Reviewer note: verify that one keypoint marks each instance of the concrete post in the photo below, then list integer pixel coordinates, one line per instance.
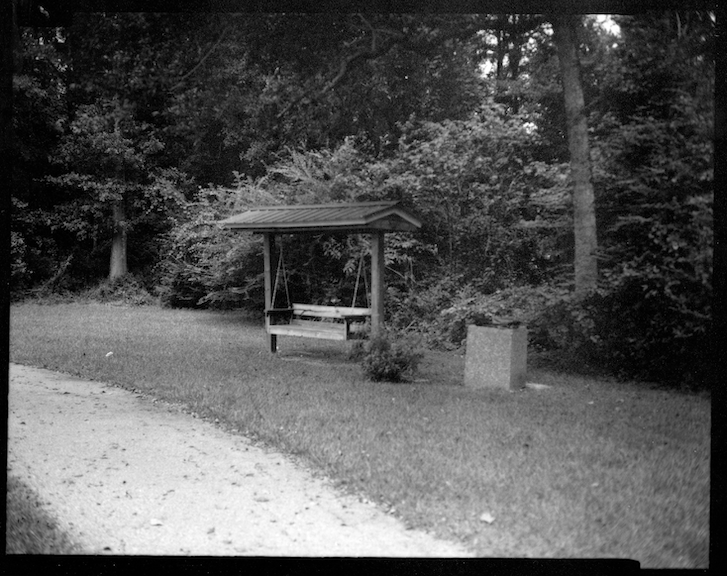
(496, 357)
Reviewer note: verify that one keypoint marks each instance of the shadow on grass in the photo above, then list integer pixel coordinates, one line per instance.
(316, 357)
(247, 318)
(29, 527)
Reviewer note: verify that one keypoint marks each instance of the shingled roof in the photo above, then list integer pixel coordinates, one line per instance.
(353, 217)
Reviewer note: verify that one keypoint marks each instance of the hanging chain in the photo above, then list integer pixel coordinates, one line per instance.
(281, 265)
(358, 278)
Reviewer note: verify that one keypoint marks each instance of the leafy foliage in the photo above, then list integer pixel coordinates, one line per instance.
(37, 120)
(107, 156)
(205, 265)
(390, 358)
(657, 198)
(470, 181)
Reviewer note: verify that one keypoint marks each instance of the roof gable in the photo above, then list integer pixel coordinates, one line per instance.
(387, 216)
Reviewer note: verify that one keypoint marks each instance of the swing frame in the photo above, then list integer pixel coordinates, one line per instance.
(373, 218)
(317, 321)
(300, 317)
(314, 320)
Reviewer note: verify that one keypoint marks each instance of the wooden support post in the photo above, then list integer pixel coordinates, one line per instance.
(269, 251)
(377, 283)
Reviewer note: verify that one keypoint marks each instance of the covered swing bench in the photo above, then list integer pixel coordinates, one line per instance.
(316, 321)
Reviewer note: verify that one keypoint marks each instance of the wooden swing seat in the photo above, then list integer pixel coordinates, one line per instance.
(316, 321)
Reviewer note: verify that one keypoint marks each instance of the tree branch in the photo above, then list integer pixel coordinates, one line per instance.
(204, 58)
(375, 50)
(383, 39)
(344, 67)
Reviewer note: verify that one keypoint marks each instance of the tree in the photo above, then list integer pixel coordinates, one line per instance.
(656, 132)
(565, 31)
(111, 177)
(218, 95)
(516, 37)
(274, 82)
(107, 153)
(471, 182)
(39, 110)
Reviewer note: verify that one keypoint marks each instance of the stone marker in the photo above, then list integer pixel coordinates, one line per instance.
(496, 357)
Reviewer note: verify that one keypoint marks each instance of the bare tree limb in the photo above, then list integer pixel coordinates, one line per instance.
(375, 50)
(202, 60)
(56, 277)
(370, 27)
(345, 65)
(383, 39)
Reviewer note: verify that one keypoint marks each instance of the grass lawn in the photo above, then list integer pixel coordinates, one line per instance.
(583, 469)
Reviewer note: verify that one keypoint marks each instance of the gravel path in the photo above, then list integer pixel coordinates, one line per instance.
(124, 475)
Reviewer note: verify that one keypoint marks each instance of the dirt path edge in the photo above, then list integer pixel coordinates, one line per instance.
(127, 476)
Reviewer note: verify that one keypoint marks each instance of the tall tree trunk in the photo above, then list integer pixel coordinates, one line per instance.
(565, 27)
(119, 265)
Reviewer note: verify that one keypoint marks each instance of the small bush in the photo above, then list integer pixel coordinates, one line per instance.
(125, 290)
(384, 360)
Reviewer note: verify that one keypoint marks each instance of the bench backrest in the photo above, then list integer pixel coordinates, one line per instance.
(320, 311)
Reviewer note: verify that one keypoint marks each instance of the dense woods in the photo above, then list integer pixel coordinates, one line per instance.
(563, 167)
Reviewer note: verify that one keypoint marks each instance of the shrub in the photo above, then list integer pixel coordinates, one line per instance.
(390, 358)
(661, 292)
(418, 308)
(517, 305)
(206, 266)
(126, 290)
(619, 330)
